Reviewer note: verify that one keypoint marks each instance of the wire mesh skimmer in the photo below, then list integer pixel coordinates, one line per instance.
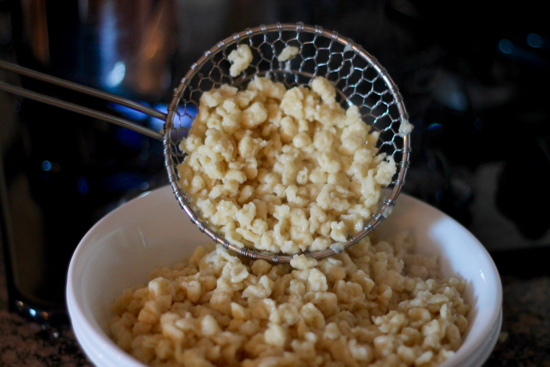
(358, 77)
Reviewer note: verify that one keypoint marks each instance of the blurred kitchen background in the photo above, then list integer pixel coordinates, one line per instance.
(474, 76)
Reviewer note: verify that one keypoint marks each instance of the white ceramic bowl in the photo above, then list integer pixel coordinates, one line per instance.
(152, 230)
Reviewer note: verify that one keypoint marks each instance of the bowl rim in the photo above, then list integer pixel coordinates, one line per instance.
(86, 328)
(103, 342)
(471, 346)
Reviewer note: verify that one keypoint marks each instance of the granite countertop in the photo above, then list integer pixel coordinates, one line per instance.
(525, 335)
(523, 341)
(24, 343)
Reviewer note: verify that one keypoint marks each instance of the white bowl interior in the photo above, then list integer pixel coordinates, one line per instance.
(460, 255)
(124, 247)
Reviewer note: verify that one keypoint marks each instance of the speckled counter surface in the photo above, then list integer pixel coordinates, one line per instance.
(24, 343)
(525, 336)
(524, 340)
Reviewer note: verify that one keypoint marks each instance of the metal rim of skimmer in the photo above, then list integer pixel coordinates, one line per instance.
(387, 200)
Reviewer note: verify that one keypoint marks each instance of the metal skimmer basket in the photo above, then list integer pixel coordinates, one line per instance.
(359, 79)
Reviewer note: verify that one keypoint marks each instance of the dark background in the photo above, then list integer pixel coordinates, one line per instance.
(473, 75)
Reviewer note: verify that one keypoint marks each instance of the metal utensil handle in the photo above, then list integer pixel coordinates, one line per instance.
(77, 108)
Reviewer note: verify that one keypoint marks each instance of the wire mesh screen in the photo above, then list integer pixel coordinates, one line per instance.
(359, 80)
